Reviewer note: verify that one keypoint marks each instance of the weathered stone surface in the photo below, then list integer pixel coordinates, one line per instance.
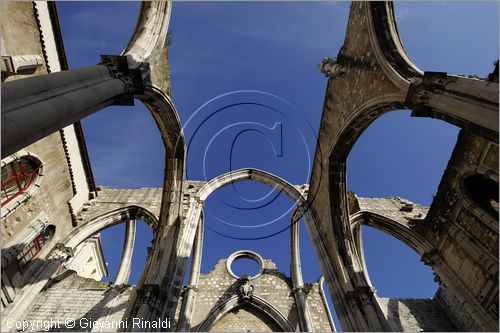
(82, 299)
(218, 286)
(415, 315)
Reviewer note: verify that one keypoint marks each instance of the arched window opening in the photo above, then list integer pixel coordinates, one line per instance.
(33, 248)
(18, 176)
(483, 192)
(113, 239)
(394, 268)
(401, 156)
(249, 319)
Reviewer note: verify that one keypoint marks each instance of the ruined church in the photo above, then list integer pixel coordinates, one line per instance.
(52, 211)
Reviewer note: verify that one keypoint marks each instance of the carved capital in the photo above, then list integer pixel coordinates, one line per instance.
(190, 289)
(420, 92)
(331, 68)
(362, 294)
(60, 252)
(303, 290)
(132, 78)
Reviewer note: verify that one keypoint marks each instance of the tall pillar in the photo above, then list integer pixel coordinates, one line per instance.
(191, 290)
(35, 107)
(321, 282)
(128, 249)
(299, 290)
(363, 302)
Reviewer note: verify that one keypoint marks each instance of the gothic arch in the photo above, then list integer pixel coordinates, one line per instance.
(195, 210)
(396, 229)
(387, 45)
(149, 35)
(348, 261)
(255, 302)
(145, 50)
(471, 202)
(360, 119)
(194, 217)
(107, 220)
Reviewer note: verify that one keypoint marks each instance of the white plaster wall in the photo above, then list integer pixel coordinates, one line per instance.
(76, 164)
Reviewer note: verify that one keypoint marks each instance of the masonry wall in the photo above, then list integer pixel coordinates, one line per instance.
(466, 235)
(273, 286)
(109, 199)
(20, 35)
(415, 315)
(245, 319)
(85, 300)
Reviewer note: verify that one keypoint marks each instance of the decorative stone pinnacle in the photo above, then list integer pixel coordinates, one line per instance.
(331, 68)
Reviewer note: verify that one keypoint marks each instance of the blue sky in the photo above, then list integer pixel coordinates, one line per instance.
(274, 48)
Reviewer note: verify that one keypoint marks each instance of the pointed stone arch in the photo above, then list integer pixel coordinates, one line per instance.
(256, 303)
(293, 192)
(107, 220)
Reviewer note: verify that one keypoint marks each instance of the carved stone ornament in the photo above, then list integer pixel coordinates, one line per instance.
(331, 68)
(246, 289)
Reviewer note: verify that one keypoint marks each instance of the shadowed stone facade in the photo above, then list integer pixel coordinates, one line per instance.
(85, 300)
(218, 286)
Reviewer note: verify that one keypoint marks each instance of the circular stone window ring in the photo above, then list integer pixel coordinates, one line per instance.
(245, 254)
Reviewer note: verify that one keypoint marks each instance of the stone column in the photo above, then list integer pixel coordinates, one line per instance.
(149, 299)
(299, 291)
(35, 107)
(128, 249)
(321, 282)
(363, 302)
(191, 290)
